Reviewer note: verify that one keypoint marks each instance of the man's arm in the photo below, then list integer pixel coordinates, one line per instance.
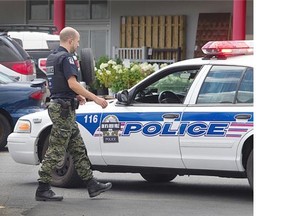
(80, 90)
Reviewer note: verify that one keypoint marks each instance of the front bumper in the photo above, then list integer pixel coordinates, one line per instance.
(22, 148)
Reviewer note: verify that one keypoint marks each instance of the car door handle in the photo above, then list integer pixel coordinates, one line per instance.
(243, 117)
(171, 116)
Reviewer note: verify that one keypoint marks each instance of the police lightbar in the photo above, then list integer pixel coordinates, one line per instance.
(244, 47)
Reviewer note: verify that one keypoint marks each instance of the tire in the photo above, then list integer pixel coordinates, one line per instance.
(87, 65)
(158, 178)
(5, 130)
(249, 169)
(64, 175)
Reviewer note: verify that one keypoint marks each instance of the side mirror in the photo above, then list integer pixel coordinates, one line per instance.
(123, 97)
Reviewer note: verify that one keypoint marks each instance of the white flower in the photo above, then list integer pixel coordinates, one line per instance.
(103, 65)
(108, 72)
(163, 65)
(112, 62)
(135, 68)
(156, 66)
(117, 67)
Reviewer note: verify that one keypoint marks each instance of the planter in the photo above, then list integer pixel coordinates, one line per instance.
(103, 91)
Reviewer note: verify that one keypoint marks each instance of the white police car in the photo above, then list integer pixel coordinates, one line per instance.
(191, 117)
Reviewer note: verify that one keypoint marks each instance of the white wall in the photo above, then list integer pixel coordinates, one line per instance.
(12, 12)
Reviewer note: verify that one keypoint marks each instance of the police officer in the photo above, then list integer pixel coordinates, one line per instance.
(66, 93)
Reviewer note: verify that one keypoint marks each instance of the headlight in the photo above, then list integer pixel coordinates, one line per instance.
(23, 126)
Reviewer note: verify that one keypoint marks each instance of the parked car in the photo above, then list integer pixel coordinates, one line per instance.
(37, 40)
(14, 60)
(193, 117)
(18, 99)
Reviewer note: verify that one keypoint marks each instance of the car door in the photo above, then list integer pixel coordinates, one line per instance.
(219, 115)
(145, 132)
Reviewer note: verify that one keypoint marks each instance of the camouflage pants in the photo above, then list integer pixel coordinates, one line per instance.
(65, 137)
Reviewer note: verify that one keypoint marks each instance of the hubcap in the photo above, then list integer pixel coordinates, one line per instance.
(63, 166)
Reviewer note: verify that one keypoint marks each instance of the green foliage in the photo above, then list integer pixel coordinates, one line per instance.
(172, 83)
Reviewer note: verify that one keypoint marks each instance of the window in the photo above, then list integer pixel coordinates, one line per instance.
(75, 9)
(170, 88)
(245, 93)
(96, 39)
(222, 83)
(39, 10)
(99, 9)
(8, 52)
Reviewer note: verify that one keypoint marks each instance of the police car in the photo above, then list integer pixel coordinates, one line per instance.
(193, 117)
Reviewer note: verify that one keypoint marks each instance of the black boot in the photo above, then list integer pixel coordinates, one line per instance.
(95, 188)
(44, 193)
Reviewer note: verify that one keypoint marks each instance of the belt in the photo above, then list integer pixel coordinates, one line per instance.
(65, 102)
(63, 99)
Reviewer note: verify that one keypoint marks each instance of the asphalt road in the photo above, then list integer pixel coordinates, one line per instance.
(129, 196)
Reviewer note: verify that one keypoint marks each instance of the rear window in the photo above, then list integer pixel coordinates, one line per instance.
(227, 84)
(52, 44)
(10, 50)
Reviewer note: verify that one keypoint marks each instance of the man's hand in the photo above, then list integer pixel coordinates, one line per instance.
(84, 93)
(101, 101)
(81, 99)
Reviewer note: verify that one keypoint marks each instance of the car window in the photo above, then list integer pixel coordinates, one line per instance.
(20, 49)
(53, 44)
(222, 83)
(8, 52)
(245, 92)
(170, 88)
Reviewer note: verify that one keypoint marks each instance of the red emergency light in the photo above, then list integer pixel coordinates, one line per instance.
(239, 47)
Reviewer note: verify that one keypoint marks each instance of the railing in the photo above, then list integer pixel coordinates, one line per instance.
(151, 55)
(26, 27)
(133, 54)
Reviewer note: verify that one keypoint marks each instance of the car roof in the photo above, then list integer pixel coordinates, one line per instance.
(241, 60)
(34, 40)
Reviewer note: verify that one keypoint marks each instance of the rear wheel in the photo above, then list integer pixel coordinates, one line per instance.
(5, 130)
(158, 178)
(249, 169)
(64, 175)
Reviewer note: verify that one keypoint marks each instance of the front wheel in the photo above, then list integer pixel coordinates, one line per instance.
(158, 178)
(64, 175)
(5, 130)
(249, 169)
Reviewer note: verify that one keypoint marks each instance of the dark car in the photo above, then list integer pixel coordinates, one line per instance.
(18, 99)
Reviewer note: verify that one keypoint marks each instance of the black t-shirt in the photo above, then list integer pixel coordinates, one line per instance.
(69, 68)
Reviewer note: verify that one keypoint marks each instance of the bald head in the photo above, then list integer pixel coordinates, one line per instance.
(69, 38)
(68, 33)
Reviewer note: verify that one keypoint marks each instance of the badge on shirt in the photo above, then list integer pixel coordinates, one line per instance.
(71, 60)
